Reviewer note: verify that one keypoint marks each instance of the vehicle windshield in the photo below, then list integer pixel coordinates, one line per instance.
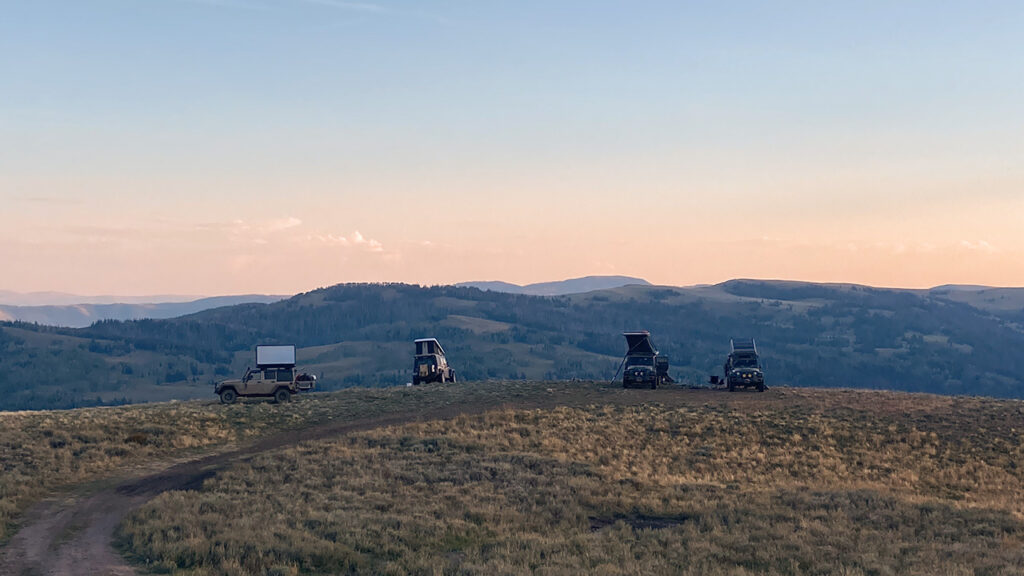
(640, 361)
(744, 361)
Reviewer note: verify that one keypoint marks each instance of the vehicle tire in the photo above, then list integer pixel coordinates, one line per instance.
(732, 387)
(453, 377)
(282, 395)
(228, 396)
(761, 387)
(654, 385)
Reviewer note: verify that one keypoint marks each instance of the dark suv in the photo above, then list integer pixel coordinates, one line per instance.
(643, 366)
(743, 366)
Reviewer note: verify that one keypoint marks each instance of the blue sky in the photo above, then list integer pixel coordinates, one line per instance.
(527, 130)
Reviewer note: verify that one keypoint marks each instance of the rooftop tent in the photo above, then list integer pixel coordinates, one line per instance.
(744, 345)
(428, 346)
(271, 356)
(639, 343)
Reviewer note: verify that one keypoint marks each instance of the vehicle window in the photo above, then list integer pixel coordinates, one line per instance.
(745, 361)
(284, 375)
(270, 374)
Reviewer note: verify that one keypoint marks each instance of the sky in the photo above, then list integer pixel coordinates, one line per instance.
(277, 146)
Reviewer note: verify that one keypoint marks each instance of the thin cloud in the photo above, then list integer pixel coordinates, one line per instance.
(378, 10)
(285, 223)
(49, 200)
(979, 246)
(355, 240)
(243, 4)
(370, 8)
(353, 6)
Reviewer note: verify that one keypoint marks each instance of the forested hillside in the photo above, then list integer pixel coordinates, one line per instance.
(361, 334)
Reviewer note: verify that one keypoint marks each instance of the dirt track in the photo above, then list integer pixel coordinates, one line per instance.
(72, 534)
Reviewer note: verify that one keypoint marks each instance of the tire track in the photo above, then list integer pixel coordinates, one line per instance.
(73, 534)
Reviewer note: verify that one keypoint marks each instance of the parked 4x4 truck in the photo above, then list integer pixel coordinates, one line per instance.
(643, 366)
(275, 377)
(743, 366)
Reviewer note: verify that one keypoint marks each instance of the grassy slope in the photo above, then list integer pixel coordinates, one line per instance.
(53, 450)
(996, 300)
(789, 482)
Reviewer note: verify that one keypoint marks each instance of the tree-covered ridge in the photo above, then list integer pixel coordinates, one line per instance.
(809, 335)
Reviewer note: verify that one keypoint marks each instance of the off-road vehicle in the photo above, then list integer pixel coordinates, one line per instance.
(743, 366)
(275, 377)
(430, 364)
(643, 366)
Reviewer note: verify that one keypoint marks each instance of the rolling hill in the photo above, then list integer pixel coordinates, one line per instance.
(360, 334)
(559, 288)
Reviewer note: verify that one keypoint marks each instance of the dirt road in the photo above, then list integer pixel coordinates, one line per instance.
(72, 534)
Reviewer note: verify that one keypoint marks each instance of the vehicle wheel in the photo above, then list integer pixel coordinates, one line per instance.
(654, 385)
(760, 387)
(282, 395)
(453, 377)
(228, 396)
(732, 387)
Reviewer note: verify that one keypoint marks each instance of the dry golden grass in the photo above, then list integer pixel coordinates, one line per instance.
(44, 451)
(807, 482)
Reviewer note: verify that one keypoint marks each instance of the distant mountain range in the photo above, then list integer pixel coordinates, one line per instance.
(9, 298)
(560, 288)
(83, 314)
(77, 311)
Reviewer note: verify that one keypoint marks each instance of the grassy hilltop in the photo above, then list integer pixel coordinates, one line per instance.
(807, 482)
(562, 478)
(942, 341)
(53, 450)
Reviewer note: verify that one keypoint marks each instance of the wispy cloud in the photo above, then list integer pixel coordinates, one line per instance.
(379, 9)
(48, 200)
(353, 6)
(284, 224)
(355, 239)
(978, 246)
(243, 4)
(288, 229)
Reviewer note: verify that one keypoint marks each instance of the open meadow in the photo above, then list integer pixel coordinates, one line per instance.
(47, 451)
(792, 481)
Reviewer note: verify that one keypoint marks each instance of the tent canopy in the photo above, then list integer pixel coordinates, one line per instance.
(428, 346)
(744, 345)
(640, 344)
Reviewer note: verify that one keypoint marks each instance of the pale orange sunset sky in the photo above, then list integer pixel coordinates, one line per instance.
(275, 146)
